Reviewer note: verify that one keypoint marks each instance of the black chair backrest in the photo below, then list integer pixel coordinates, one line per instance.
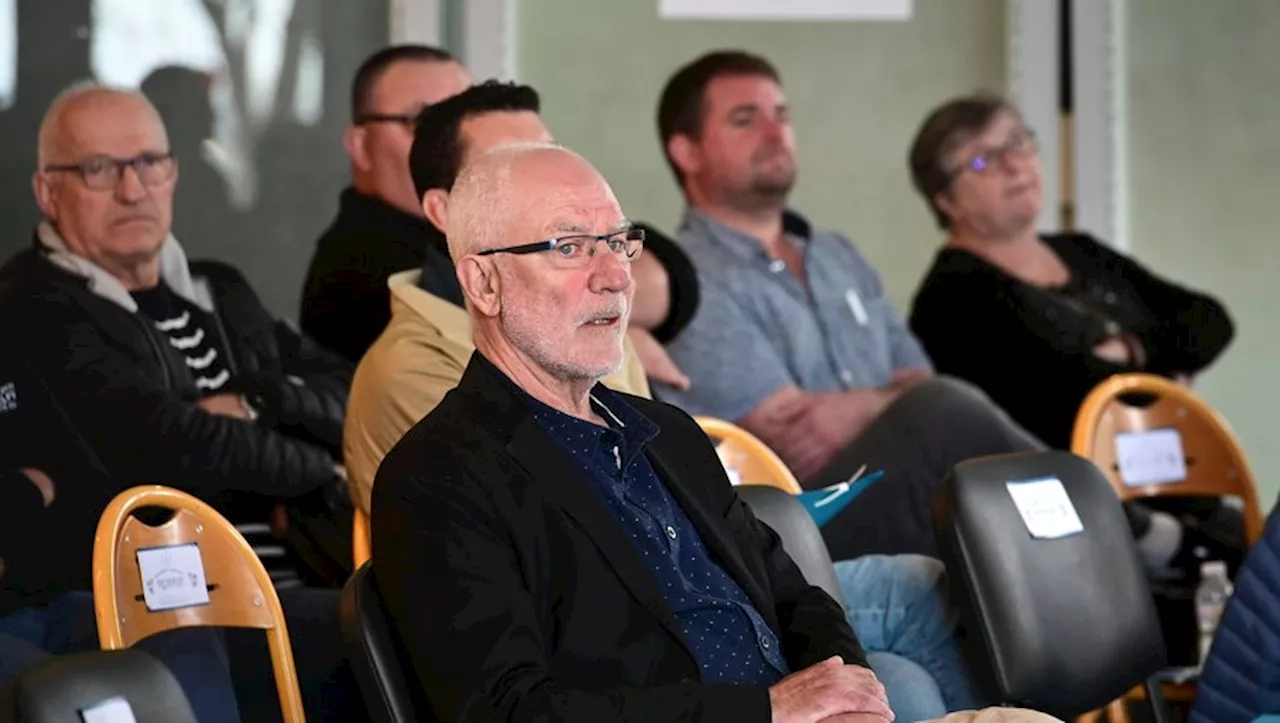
(376, 657)
(1060, 625)
(62, 688)
(800, 535)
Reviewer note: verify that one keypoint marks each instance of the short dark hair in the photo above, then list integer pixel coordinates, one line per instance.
(436, 156)
(681, 108)
(371, 70)
(946, 127)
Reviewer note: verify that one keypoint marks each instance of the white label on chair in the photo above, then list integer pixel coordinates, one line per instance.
(1045, 508)
(172, 577)
(111, 710)
(1151, 458)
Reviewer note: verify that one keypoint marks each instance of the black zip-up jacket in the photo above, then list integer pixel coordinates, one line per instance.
(45, 550)
(132, 397)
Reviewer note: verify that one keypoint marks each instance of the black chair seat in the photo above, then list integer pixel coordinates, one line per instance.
(61, 688)
(376, 656)
(800, 535)
(1062, 625)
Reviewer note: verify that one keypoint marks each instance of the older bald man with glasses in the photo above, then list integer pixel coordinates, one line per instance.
(173, 371)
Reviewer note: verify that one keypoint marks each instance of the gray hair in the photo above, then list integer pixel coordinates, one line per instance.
(50, 124)
(479, 205)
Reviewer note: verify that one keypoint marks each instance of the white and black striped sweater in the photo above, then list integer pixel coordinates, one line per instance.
(189, 330)
(185, 327)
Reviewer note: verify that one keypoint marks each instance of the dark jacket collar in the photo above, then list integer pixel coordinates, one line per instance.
(489, 395)
(364, 214)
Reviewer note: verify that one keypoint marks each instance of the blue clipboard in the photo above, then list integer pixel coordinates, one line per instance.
(825, 503)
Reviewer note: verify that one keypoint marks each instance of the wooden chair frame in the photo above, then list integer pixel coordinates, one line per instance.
(764, 467)
(1216, 464)
(241, 594)
(361, 539)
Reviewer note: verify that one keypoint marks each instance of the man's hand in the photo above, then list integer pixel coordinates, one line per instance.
(904, 379)
(657, 364)
(1114, 350)
(42, 483)
(808, 430)
(827, 689)
(226, 405)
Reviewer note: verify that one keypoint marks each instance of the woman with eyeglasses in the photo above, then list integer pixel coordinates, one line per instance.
(1037, 320)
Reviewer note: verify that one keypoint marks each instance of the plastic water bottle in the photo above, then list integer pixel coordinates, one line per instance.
(1211, 598)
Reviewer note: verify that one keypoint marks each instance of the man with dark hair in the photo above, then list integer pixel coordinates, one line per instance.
(379, 229)
(423, 350)
(487, 114)
(794, 338)
(683, 103)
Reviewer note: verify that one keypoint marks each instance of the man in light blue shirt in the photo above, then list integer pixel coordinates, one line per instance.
(794, 338)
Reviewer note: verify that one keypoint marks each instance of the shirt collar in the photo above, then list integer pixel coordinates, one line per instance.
(702, 226)
(370, 214)
(628, 427)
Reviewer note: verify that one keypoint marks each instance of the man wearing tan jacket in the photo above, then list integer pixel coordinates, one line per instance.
(422, 352)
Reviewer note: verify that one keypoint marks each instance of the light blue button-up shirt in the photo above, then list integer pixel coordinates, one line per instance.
(759, 329)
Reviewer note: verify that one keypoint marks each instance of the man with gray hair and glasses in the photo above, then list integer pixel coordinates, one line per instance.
(172, 371)
(551, 549)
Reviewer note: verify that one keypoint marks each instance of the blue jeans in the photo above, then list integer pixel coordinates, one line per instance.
(197, 657)
(896, 605)
(913, 694)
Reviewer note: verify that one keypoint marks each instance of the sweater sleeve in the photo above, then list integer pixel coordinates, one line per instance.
(977, 328)
(1192, 328)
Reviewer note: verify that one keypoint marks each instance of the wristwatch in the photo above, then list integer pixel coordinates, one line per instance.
(248, 408)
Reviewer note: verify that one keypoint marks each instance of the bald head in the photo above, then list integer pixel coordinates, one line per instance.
(542, 310)
(105, 179)
(502, 185)
(70, 119)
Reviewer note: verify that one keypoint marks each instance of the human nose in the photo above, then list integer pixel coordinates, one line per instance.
(609, 273)
(129, 186)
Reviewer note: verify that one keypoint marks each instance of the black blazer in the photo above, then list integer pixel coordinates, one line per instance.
(518, 597)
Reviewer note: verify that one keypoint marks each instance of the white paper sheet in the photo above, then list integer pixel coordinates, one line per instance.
(1151, 458)
(111, 710)
(1045, 507)
(173, 577)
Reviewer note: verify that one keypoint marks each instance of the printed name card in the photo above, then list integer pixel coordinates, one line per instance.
(111, 710)
(172, 577)
(1045, 507)
(1153, 457)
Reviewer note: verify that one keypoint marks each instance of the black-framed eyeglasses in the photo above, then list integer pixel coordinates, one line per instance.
(405, 119)
(578, 249)
(1021, 143)
(103, 173)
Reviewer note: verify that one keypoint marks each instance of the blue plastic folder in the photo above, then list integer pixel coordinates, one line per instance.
(825, 503)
